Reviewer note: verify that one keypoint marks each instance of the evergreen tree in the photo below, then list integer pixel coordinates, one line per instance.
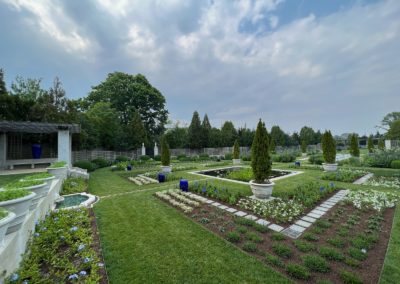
(370, 144)
(165, 153)
(272, 146)
(194, 132)
(354, 149)
(304, 146)
(328, 147)
(260, 157)
(136, 131)
(277, 135)
(205, 132)
(236, 150)
(3, 88)
(381, 144)
(228, 134)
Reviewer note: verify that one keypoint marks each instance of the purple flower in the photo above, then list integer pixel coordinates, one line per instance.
(322, 188)
(83, 273)
(36, 234)
(87, 259)
(73, 276)
(204, 189)
(14, 277)
(55, 219)
(81, 247)
(332, 184)
(74, 229)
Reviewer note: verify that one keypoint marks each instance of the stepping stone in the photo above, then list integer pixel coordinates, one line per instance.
(222, 206)
(251, 217)
(231, 210)
(297, 228)
(318, 212)
(326, 206)
(216, 204)
(303, 223)
(240, 213)
(291, 233)
(209, 201)
(275, 227)
(262, 222)
(330, 203)
(320, 208)
(313, 215)
(308, 219)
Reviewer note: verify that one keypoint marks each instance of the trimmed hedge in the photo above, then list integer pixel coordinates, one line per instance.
(89, 166)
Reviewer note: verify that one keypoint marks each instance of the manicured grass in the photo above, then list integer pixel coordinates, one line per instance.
(146, 241)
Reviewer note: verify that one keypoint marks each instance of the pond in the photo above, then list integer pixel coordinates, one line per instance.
(72, 200)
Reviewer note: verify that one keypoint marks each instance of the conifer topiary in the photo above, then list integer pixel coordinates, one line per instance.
(165, 155)
(303, 146)
(328, 148)
(370, 144)
(354, 149)
(260, 157)
(236, 150)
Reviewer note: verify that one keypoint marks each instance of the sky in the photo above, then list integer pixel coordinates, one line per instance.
(325, 64)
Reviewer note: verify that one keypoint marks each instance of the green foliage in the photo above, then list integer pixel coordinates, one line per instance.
(282, 250)
(285, 157)
(74, 185)
(194, 132)
(122, 159)
(60, 164)
(144, 158)
(321, 223)
(370, 144)
(304, 246)
(350, 278)
(260, 158)
(23, 184)
(354, 148)
(242, 229)
(100, 163)
(308, 135)
(43, 175)
(244, 174)
(165, 154)
(224, 194)
(304, 146)
(310, 237)
(278, 236)
(336, 242)
(244, 221)
(328, 147)
(357, 254)
(89, 166)
(205, 132)
(316, 263)
(249, 247)
(395, 164)
(252, 236)
(236, 150)
(330, 253)
(13, 194)
(228, 134)
(394, 131)
(3, 212)
(137, 133)
(298, 271)
(382, 159)
(274, 260)
(352, 262)
(381, 144)
(316, 159)
(344, 175)
(233, 237)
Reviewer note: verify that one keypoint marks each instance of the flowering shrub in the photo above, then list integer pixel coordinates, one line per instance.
(60, 251)
(345, 175)
(280, 210)
(163, 195)
(372, 199)
(384, 182)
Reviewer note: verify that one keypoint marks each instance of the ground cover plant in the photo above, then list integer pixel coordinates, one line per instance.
(344, 174)
(386, 182)
(74, 185)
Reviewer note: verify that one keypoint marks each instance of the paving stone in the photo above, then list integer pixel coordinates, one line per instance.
(320, 208)
(330, 203)
(303, 223)
(308, 219)
(297, 228)
(240, 213)
(209, 201)
(275, 227)
(216, 204)
(313, 215)
(262, 222)
(291, 233)
(231, 210)
(222, 206)
(317, 212)
(251, 217)
(326, 206)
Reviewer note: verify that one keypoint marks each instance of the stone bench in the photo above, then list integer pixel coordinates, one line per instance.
(11, 163)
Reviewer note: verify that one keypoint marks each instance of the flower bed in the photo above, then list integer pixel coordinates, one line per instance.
(388, 182)
(372, 199)
(166, 197)
(61, 251)
(344, 175)
(74, 185)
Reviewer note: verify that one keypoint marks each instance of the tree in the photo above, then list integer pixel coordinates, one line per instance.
(245, 136)
(295, 139)
(136, 131)
(3, 88)
(236, 150)
(27, 89)
(272, 146)
(304, 146)
(228, 134)
(381, 144)
(390, 118)
(307, 134)
(205, 132)
(277, 135)
(394, 131)
(215, 137)
(194, 132)
(260, 157)
(370, 144)
(177, 137)
(129, 93)
(328, 147)
(165, 154)
(354, 149)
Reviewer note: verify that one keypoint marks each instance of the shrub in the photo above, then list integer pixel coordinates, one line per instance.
(328, 147)
(345, 175)
(350, 278)
(260, 158)
(233, 237)
(298, 271)
(370, 144)
(165, 154)
(357, 254)
(316, 159)
(285, 157)
(243, 221)
(316, 263)
(303, 146)
(228, 156)
(395, 164)
(261, 228)
(249, 247)
(144, 158)
(204, 157)
(74, 185)
(157, 158)
(122, 159)
(382, 158)
(354, 149)
(236, 150)
(310, 237)
(274, 260)
(282, 250)
(101, 163)
(278, 236)
(252, 236)
(331, 254)
(89, 166)
(303, 246)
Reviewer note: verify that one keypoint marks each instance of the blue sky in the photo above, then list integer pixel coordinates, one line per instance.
(326, 64)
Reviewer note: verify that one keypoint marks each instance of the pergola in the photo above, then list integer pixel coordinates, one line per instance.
(14, 152)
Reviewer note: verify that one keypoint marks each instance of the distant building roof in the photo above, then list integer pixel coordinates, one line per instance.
(37, 127)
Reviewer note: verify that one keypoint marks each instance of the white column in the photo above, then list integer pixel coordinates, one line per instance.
(3, 150)
(143, 150)
(64, 146)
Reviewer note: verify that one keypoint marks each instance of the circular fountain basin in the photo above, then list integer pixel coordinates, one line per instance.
(72, 201)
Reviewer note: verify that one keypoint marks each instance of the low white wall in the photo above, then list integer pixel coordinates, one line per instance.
(15, 244)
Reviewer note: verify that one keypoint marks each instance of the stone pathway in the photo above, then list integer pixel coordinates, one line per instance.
(363, 179)
(295, 230)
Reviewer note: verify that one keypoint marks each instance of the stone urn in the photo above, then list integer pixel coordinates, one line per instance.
(262, 190)
(236, 161)
(329, 167)
(166, 169)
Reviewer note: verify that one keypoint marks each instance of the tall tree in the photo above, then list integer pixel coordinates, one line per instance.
(3, 88)
(194, 132)
(295, 139)
(205, 132)
(381, 144)
(27, 89)
(390, 118)
(307, 134)
(245, 136)
(215, 137)
(354, 149)
(370, 144)
(127, 93)
(394, 131)
(328, 147)
(277, 135)
(228, 134)
(177, 137)
(137, 132)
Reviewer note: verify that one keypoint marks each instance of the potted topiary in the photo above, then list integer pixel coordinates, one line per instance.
(18, 202)
(329, 152)
(261, 164)
(6, 218)
(37, 186)
(45, 177)
(236, 153)
(303, 147)
(58, 169)
(165, 156)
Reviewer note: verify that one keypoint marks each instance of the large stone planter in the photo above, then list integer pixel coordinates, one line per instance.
(48, 182)
(4, 224)
(166, 169)
(20, 207)
(261, 190)
(236, 161)
(329, 167)
(41, 192)
(60, 173)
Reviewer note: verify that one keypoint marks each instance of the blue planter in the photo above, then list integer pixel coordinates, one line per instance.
(161, 177)
(184, 185)
(297, 164)
(36, 151)
(129, 167)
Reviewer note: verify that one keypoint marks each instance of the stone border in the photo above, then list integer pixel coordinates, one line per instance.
(363, 179)
(87, 203)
